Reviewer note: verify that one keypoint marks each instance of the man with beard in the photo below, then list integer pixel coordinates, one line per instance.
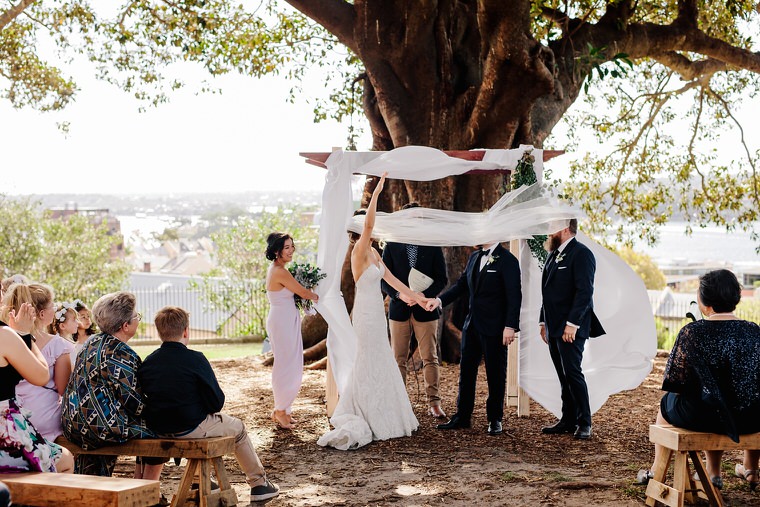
(567, 321)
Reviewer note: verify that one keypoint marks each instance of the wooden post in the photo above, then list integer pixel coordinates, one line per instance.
(516, 397)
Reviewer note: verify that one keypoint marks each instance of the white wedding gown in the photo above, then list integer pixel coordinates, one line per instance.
(375, 404)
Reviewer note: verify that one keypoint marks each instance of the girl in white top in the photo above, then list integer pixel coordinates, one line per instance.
(44, 402)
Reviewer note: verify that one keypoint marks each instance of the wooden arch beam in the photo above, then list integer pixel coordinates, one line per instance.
(319, 158)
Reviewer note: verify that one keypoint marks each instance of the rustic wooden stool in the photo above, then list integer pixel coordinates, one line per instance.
(685, 445)
(47, 489)
(202, 455)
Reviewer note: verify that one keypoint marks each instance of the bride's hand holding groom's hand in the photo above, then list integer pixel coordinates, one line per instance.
(406, 299)
(420, 299)
(432, 304)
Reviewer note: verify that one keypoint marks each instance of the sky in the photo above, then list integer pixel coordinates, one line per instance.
(245, 139)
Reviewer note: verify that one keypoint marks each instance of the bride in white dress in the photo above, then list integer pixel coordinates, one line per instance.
(375, 404)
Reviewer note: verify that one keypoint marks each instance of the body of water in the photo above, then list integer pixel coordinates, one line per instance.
(711, 244)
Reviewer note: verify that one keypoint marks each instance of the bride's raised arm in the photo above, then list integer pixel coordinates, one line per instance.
(360, 255)
(369, 220)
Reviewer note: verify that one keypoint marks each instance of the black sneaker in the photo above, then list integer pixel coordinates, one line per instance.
(264, 492)
(214, 485)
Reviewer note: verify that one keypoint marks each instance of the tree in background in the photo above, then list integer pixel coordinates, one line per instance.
(456, 75)
(72, 255)
(461, 74)
(644, 266)
(235, 286)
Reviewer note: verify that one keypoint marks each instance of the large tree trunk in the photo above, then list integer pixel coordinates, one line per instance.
(464, 74)
(452, 75)
(450, 86)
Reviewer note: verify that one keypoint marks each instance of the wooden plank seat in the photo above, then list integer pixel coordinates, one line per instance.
(202, 455)
(685, 445)
(46, 489)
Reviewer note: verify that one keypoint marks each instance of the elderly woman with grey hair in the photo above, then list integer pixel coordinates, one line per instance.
(103, 404)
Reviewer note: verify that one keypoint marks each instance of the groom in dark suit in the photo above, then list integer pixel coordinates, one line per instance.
(492, 283)
(567, 321)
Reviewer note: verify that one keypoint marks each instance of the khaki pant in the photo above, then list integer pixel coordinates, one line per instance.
(425, 332)
(223, 425)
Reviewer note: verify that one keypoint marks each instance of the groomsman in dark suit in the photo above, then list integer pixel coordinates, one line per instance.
(405, 316)
(567, 321)
(492, 283)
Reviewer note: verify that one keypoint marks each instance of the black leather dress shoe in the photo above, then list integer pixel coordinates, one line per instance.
(583, 433)
(494, 428)
(454, 423)
(559, 427)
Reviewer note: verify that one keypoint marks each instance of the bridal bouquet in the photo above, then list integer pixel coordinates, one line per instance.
(308, 276)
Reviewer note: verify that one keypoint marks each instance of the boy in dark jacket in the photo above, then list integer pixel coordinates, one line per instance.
(183, 398)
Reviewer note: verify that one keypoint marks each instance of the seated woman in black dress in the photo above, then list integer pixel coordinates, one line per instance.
(712, 377)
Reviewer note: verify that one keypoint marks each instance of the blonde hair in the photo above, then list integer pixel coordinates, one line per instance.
(36, 294)
(42, 297)
(171, 322)
(16, 295)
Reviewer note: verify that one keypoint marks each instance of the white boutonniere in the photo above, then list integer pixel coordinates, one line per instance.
(560, 257)
(490, 259)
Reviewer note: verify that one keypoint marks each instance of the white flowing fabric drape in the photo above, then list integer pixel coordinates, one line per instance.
(617, 361)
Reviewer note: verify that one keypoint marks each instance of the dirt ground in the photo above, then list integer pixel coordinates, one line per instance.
(433, 467)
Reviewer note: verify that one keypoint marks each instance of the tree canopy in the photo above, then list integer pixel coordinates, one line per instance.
(456, 75)
(72, 255)
(662, 81)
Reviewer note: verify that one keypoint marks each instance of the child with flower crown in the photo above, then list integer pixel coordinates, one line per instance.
(44, 402)
(85, 329)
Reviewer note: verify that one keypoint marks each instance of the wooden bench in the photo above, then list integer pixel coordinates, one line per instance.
(685, 445)
(46, 489)
(202, 455)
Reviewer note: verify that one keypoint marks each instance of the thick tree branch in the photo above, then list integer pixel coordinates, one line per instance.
(381, 138)
(687, 68)
(506, 50)
(687, 13)
(393, 101)
(337, 16)
(651, 40)
(12, 13)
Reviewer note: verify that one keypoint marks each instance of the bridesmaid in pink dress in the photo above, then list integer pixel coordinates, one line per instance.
(284, 327)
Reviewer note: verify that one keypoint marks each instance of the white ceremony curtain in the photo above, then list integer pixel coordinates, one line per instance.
(617, 361)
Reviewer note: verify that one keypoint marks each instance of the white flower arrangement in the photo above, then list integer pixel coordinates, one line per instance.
(490, 259)
(560, 257)
(60, 315)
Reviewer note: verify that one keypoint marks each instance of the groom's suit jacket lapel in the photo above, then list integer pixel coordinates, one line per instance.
(481, 273)
(551, 267)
